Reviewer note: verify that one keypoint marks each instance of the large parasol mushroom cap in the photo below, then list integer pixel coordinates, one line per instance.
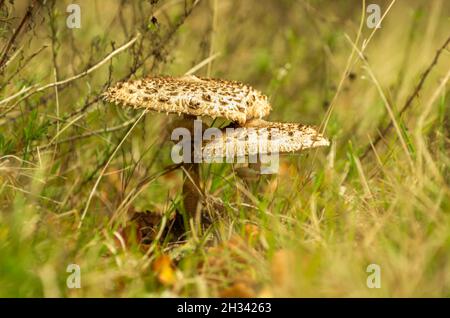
(263, 137)
(192, 95)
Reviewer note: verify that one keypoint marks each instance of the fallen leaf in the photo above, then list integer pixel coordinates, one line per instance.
(164, 270)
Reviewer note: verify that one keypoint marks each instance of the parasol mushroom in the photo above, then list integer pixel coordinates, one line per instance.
(191, 96)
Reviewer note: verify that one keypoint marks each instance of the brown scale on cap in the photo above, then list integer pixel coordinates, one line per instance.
(192, 95)
(262, 137)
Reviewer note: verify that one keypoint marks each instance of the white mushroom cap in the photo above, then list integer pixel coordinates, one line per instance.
(262, 137)
(192, 96)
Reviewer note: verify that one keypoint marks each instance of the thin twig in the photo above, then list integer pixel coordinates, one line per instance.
(13, 38)
(25, 63)
(106, 166)
(385, 102)
(202, 63)
(70, 79)
(91, 133)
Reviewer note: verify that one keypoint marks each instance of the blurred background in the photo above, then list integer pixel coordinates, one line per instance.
(77, 186)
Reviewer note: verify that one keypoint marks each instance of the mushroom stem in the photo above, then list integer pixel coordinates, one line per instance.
(191, 188)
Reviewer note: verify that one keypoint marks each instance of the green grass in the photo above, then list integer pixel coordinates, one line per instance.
(311, 230)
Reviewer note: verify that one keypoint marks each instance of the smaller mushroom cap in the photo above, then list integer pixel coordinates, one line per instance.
(192, 96)
(263, 137)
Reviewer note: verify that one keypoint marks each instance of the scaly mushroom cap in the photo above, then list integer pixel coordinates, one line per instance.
(263, 137)
(192, 96)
